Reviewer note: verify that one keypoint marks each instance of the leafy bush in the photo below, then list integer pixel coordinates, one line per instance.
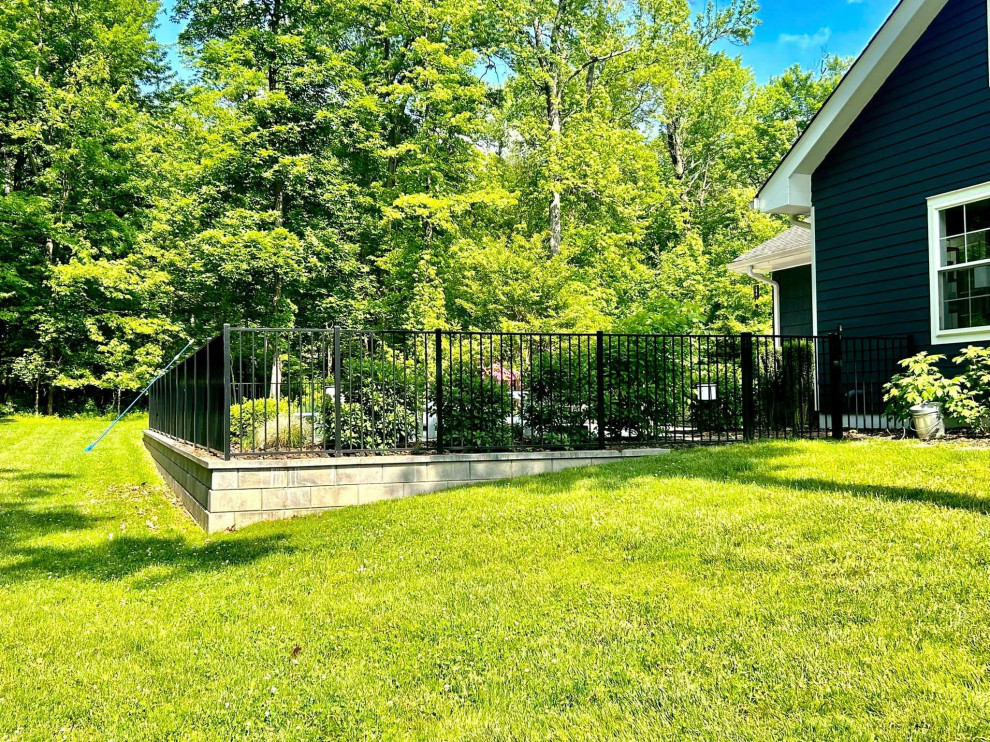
(722, 413)
(973, 408)
(924, 383)
(383, 399)
(247, 417)
(264, 425)
(376, 423)
(785, 385)
(476, 407)
(560, 402)
(645, 389)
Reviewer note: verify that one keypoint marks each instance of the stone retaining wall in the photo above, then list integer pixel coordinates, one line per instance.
(223, 494)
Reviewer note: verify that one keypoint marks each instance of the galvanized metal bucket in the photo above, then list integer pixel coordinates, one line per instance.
(928, 422)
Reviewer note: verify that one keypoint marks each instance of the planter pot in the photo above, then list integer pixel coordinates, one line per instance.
(927, 421)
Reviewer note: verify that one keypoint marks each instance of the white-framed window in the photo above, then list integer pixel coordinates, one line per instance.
(959, 262)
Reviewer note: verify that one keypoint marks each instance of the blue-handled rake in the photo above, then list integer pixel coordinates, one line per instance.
(144, 391)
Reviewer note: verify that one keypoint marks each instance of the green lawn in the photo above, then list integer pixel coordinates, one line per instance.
(778, 591)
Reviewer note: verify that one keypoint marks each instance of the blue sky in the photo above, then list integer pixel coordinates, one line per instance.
(798, 31)
(790, 32)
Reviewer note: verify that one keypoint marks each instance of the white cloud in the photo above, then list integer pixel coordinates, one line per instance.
(806, 41)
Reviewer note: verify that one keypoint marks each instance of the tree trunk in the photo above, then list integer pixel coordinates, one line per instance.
(589, 81)
(276, 377)
(555, 92)
(274, 24)
(51, 399)
(37, 394)
(675, 147)
(280, 200)
(274, 390)
(8, 175)
(553, 119)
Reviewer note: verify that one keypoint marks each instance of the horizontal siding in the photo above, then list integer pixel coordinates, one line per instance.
(909, 182)
(795, 300)
(925, 132)
(896, 261)
(912, 171)
(899, 269)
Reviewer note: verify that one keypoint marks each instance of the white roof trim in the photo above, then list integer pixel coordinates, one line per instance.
(788, 189)
(773, 262)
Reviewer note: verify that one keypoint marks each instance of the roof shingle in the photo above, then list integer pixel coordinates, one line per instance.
(791, 240)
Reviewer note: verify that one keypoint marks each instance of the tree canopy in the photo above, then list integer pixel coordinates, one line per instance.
(486, 164)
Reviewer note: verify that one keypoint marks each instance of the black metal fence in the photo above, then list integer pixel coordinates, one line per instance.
(190, 401)
(266, 391)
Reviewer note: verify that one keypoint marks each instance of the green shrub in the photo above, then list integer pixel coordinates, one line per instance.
(265, 425)
(476, 407)
(383, 399)
(923, 383)
(724, 413)
(647, 388)
(374, 423)
(287, 431)
(973, 407)
(247, 421)
(785, 386)
(560, 401)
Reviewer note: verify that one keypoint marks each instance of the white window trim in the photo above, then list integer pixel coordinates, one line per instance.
(935, 205)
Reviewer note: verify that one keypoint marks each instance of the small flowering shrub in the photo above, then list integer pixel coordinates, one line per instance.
(270, 425)
(477, 406)
(965, 398)
(560, 400)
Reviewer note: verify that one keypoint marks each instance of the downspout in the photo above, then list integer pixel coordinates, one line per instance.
(775, 287)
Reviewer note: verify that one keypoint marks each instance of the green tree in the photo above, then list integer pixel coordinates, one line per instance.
(78, 82)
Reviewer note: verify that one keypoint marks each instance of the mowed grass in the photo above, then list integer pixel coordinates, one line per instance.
(798, 591)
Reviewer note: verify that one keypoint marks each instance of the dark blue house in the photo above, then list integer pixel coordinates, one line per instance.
(888, 190)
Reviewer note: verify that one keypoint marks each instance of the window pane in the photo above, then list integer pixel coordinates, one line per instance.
(978, 215)
(951, 311)
(952, 221)
(979, 310)
(955, 284)
(976, 246)
(953, 250)
(965, 297)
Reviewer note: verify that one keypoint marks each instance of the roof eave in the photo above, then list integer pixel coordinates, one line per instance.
(786, 196)
(775, 262)
(788, 189)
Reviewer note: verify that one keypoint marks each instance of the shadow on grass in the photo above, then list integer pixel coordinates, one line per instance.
(170, 557)
(763, 465)
(16, 475)
(164, 557)
(107, 553)
(114, 555)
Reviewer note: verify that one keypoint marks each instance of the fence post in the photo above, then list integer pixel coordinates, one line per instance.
(227, 381)
(835, 382)
(337, 445)
(600, 373)
(746, 364)
(438, 387)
